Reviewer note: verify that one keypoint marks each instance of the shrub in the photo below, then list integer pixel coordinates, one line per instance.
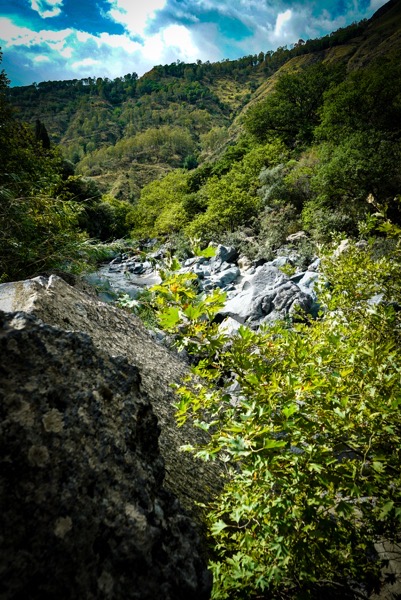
(311, 440)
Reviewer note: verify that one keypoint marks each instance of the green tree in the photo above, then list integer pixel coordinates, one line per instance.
(160, 209)
(291, 111)
(39, 231)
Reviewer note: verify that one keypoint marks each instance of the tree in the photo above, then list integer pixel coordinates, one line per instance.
(291, 111)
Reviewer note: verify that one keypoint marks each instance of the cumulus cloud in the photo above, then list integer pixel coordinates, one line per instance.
(70, 53)
(134, 16)
(47, 8)
(282, 19)
(41, 58)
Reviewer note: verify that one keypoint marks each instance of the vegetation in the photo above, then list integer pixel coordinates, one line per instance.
(310, 439)
(47, 213)
(248, 151)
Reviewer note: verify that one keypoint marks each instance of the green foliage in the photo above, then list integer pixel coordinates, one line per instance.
(291, 111)
(161, 208)
(367, 100)
(176, 306)
(311, 440)
(38, 233)
(39, 230)
(107, 219)
(232, 199)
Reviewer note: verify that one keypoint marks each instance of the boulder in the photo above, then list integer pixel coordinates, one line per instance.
(296, 237)
(225, 277)
(225, 254)
(84, 510)
(119, 333)
(266, 296)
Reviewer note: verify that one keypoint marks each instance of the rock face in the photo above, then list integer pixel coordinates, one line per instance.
(120, 334)
(83, 509)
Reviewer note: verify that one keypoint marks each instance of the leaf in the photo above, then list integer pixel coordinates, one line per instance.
(315, 467)
(218, 527)
(386, 508)
(269, 444)
(378, 466)
(208, 252)
(289, 410)
(169, 317)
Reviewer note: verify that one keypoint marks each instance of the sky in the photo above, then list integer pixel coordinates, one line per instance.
(50, 40)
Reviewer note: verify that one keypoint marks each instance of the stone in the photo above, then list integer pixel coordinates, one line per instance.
(308, 282)
(267, 296)
(314, 266)
(225, 277)
(122, 334)
(296, 237)
(244, 263)
(229, 326)
(84, 510)
(225, 254)
(342, 247)
(281, 261)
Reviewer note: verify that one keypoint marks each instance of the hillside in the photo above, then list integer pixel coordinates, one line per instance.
(125, 132)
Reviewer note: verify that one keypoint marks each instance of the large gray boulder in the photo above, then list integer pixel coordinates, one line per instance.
(84, 513)
(121, 334)
(267, 296)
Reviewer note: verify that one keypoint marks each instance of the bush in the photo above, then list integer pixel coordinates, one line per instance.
(311, 439)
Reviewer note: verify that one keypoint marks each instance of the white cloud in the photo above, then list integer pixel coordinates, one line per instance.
(41, 58)
(85, 62)
(151, 38)
(14, 35)
(71, 53)
(134, 16)
(47, 8)
(281, 21)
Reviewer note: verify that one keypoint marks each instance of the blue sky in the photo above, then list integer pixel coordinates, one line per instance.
(45, 40)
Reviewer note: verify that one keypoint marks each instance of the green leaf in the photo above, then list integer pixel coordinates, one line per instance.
(378, 466)
(289, 410)
(270, 444)
(169, 317)
(386, 508)
(218, 527)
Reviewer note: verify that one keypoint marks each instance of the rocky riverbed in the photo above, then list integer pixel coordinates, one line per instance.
(258, 292)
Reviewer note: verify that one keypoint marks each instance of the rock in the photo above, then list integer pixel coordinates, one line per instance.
(229, 326)
(244, 263)
(296, 237)
(343, 246)
(267, 296)
(136, 268)
(314, 266)
(83, 507)
(308, 281)
(226, 277)
(225, 254)
(297, 277)
(281, 261)
(119, 333)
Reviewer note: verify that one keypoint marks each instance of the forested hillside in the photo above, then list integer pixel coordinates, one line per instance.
(128, 131)
(251, 150)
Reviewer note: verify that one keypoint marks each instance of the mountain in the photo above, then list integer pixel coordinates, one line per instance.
(126, 132)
